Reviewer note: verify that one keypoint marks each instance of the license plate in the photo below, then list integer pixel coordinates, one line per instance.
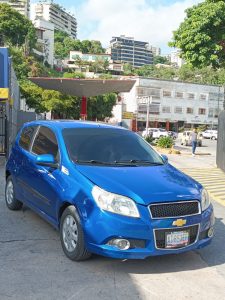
(177, 239)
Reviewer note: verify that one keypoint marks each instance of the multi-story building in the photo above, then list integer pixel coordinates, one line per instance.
(127, 50)
(87, 59)
(174, 104)
(55, 14)
(45, 40)
(22, 6)
(175, 58)
(156, 51)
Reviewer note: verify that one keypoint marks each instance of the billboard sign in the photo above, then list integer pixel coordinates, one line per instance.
(4, 74)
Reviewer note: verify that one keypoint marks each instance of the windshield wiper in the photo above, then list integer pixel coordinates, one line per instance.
(138, 161)
(92, 161)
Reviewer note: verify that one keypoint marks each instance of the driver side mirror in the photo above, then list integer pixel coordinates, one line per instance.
(46, 160)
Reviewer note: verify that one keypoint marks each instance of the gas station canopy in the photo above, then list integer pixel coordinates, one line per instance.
(83, 87)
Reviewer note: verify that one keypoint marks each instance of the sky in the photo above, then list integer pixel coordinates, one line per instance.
(151, 21)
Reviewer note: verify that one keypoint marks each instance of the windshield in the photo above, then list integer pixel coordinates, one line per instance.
(108, 146)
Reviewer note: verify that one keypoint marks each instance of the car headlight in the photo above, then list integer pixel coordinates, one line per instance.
(205, 200)
(114, 203)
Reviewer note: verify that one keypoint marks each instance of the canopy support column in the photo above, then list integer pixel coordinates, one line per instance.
(83, 112)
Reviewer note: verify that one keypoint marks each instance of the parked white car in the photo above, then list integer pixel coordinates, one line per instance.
(185, 138)
(156, 133)
(210, 134)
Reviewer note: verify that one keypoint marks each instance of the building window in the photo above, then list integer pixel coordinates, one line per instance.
(144, 91)
(211, 111)
(203, 96)
(191, 96)
(178, 110)
(190, 110)
(167, 93)
(202, 111)
(166, 109)
(179, 95)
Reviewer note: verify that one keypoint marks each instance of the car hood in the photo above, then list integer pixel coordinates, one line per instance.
(144, 184)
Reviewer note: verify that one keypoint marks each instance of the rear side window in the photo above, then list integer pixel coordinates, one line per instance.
(45, 143)
(26, 137)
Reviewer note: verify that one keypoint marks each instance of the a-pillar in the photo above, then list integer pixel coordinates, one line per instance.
(83, 110)
(167, 125)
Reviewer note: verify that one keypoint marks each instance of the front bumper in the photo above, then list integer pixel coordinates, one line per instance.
(101, 226)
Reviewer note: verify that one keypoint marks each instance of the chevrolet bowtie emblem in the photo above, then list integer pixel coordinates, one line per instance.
(179, 222)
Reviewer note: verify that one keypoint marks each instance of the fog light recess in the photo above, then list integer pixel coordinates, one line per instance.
(121, 244)
(210, 232)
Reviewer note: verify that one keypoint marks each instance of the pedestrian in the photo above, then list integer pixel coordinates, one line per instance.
(194, 136)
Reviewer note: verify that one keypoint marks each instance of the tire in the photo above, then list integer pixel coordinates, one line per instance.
(11, 202)
(186, 143)
(72, 236)
(213, 138)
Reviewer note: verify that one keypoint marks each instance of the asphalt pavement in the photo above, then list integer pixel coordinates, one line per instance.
(33, 266)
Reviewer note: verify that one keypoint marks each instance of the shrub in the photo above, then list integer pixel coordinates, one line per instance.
(165, 142)
(149, 139)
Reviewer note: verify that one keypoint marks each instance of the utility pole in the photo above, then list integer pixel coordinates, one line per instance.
(149, 101)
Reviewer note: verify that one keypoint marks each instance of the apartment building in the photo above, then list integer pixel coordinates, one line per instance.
(174, 104)
(45, 40)
(156, 51)
(22, 6)
(175, 58)
(56, 15)
(127, 50)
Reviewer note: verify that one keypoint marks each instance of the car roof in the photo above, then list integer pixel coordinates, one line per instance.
(61, 124)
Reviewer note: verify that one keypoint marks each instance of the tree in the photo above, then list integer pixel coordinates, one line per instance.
(73, 75)
(160, 60)
(16, 29)
(33, 95)
(201, 36)
(26, 66)
(100, 107)
(64, 44)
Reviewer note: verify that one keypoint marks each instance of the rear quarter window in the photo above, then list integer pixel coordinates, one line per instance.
(26, 137)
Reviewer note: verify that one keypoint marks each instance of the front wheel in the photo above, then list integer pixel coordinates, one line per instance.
(72, 236)
(11, 202)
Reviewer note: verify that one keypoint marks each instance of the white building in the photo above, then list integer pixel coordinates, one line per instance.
(22, 6)
(45, 41)
(89, 58)
(156, 51)
(175, 58)
(174, 104)
(55, 14)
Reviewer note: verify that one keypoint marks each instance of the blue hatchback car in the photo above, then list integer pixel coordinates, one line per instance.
(106, 190)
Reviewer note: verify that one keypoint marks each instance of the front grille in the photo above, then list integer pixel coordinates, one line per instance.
(160, 236)
(175, 209)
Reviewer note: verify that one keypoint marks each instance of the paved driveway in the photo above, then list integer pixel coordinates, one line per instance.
(33, 266)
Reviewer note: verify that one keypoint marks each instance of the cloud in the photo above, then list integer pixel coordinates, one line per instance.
(102, 20)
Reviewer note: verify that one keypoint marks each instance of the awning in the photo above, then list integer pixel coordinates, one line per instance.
(84, 87)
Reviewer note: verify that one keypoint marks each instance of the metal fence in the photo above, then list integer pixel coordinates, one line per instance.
(220, 156)
(11, 117)
(3, 129)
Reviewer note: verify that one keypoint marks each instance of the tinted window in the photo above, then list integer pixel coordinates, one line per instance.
(45, 143)
(107, 145)
(26, 137)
